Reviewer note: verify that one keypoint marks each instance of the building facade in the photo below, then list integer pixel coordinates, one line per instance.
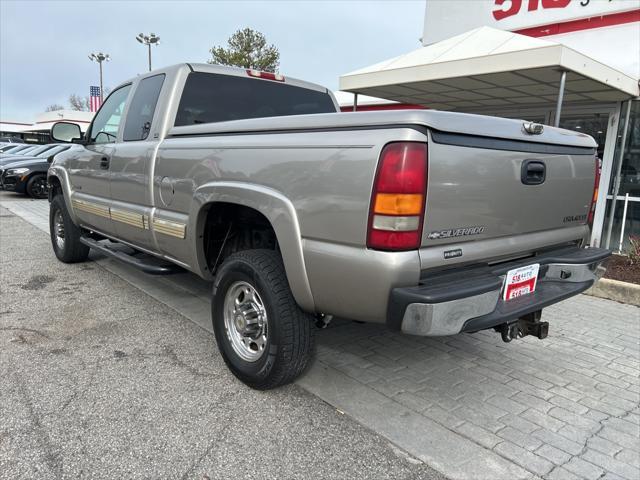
(38, 131)
(511, 58)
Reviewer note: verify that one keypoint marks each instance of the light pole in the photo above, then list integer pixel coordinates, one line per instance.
(100, 57)
(148, 40)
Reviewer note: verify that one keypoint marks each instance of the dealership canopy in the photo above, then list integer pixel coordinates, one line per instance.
(487, 67)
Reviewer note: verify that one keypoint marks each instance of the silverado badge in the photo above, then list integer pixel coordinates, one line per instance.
(455, 232)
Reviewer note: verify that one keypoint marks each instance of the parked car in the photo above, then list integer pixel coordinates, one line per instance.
(33, 151)
(14, 148)
(433, 223)
(29, 176)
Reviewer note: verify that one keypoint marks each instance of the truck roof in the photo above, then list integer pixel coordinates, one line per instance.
(222, 70)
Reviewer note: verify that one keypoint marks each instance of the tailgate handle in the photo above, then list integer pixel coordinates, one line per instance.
(534, 172)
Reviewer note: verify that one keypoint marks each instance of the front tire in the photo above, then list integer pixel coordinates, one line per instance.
(65, 235)
(264, 337)
(37, 186)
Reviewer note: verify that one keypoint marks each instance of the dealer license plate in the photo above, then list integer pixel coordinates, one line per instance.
(520, 281)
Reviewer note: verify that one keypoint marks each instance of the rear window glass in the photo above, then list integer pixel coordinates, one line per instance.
(209, 97)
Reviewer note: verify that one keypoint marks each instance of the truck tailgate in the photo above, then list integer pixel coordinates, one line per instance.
(482, 188)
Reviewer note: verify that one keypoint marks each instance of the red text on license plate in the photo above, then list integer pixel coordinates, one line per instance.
(520, 281)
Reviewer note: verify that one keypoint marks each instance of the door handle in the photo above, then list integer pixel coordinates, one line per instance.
(533, 172)
(104, 163)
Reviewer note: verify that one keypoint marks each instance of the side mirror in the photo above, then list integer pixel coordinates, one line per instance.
(66, 132)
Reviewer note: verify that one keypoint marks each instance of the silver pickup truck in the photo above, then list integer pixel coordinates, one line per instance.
(434, 223)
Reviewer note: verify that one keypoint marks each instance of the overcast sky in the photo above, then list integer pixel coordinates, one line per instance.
(44, 44)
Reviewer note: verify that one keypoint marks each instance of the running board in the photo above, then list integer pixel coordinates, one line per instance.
(150, 266)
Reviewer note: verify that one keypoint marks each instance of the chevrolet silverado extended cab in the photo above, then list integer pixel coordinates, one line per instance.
(434, 223)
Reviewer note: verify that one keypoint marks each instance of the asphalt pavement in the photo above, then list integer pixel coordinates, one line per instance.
(99, 380)
(469, 406)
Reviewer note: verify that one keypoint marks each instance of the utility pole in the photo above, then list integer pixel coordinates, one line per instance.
(100, 57)
(148, 40)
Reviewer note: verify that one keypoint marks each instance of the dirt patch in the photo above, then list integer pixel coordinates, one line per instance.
(619, 268)
(37, 282)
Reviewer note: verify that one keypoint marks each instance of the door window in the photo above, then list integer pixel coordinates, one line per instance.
(107, 120)
(143, 105)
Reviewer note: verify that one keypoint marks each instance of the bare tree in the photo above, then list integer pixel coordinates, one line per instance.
(78, 103)
(82, 104)
(54, 107)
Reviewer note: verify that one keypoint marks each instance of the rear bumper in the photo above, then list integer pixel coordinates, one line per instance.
(469, 299)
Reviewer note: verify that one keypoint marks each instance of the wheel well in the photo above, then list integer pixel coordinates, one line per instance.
(33, 174)
(231, 228)
(55, 187)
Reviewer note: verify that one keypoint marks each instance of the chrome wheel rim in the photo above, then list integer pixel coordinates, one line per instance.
(245, 321)
(58, 229)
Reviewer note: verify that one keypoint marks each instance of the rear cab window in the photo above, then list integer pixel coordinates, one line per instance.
(211, 97)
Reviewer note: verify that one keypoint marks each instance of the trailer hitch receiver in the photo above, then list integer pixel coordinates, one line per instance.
(529, 324)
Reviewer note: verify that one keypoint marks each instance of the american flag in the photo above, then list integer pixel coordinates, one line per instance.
(94, 99)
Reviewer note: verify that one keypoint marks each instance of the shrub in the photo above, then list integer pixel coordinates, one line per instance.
(634, 250)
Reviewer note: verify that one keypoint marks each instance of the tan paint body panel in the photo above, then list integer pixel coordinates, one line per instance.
(311, 176)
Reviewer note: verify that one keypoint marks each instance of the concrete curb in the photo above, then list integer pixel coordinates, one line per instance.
(622, 292)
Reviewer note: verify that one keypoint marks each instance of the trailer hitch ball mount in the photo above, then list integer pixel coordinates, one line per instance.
(529, 324)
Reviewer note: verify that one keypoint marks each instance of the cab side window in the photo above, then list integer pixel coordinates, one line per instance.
(107, 120)
(143, 105)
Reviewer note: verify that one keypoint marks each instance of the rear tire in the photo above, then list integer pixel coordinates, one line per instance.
(65, 235)
(37, 186)
(264, 337)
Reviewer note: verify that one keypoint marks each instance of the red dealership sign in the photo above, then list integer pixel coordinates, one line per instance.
(514, 6)
(445, 19)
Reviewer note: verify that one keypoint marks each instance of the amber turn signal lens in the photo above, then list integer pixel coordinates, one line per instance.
(398, 203)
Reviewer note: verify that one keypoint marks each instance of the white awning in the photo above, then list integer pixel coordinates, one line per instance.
(345, 99)
(486, 68)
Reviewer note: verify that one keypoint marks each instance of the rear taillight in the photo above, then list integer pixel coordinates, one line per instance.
(594, 198)
(266, 75)
(398, 200)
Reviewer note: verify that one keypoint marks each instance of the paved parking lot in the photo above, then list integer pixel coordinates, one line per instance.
(470, 406)
(99, 380)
